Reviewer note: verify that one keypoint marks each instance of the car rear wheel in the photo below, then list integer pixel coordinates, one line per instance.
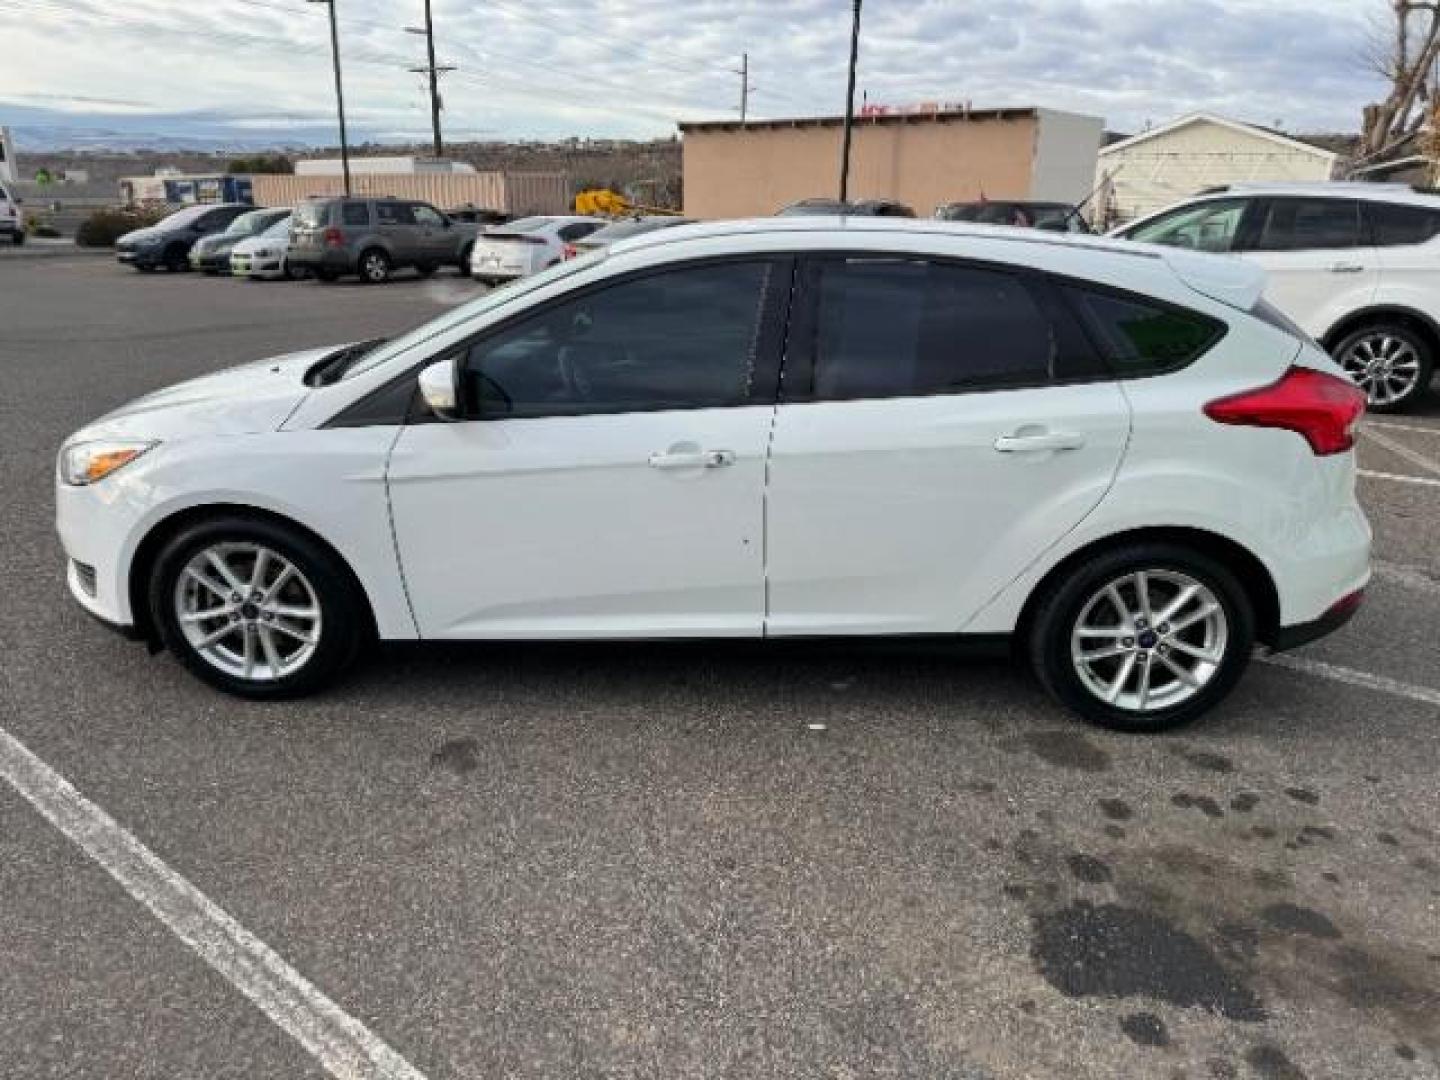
(1143, 638)
(374, 266)
(18, 238)
(176, 260)
(426, 269)
(1390, 362)
(463, 265)
(256, 609)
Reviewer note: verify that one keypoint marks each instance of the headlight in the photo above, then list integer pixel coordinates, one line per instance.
(88, 462)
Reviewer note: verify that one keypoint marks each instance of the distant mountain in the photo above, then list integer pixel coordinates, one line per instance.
(40, 130)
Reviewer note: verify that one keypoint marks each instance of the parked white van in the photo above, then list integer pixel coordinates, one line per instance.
(12, 218)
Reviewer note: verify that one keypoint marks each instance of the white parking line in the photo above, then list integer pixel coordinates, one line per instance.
(344, 1047)
(1399, 478)
(1399, 449)
(1363, 679)
(1386, 425)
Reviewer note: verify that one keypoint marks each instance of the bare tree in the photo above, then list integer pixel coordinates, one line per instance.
(1406, 53)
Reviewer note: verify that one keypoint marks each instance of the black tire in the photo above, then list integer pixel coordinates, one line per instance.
(325, 274)
(1344, 354)
(18, 238)
(346, 623)
(464, 264)
(1058, 610)
(426, 270)
(176, 259)
(374, 266)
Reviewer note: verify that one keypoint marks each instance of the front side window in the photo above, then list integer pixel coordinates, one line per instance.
(1308, 225)
(428, 215)
(1209, 226)
(1142, 337)
(900, 327)
(1395, 224)
(680, 339)
(391, 213)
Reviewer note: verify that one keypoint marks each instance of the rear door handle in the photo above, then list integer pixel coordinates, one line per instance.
(692, 459)
(1040, 441)
(1346, 268)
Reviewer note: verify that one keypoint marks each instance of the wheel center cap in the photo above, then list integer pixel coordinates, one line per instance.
(249, 611)
(1148, 639)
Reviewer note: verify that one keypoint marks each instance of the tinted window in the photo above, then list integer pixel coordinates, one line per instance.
(891, 328)
(682, 339)
(1394, 224)
(428, 215)
(578, 229)
(1208, 226)
(392, 213)
(1140, 337)
(356, 213)
(1308, 224)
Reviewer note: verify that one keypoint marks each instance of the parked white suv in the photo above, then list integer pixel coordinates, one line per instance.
(12, 218)
(1357, 266)
(1116, 457)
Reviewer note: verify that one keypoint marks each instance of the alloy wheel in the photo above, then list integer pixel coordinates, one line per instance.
(1385, 366)
(1149, 640)
(248, 611)
(375, 267)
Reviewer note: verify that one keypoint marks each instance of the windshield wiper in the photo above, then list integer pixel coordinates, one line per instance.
(333, 367)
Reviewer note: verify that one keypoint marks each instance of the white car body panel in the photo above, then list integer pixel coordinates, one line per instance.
(494, 256)
(890, 515)
(1318, 289)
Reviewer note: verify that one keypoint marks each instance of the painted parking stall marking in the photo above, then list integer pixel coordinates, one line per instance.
(341, 1044)
(1363, 679)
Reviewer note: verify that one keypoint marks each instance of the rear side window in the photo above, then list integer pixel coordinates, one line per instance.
(311, 214)
(578, 229)
(390, 213)
(1142, 337)
(355, 213)
(900, 328)
(1395, 224)
(1309, 224)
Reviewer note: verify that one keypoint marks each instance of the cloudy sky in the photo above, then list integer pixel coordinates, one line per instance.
(553, 68)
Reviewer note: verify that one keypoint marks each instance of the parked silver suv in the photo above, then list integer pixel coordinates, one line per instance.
(372, 238)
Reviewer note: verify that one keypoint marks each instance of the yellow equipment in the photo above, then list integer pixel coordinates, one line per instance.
(602, 202)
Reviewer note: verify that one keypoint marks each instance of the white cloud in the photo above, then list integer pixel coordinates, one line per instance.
(545, 68)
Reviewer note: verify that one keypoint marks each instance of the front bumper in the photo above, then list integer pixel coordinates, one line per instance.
(252, 266)
(210, 263)
(140, 257)
(94, 523)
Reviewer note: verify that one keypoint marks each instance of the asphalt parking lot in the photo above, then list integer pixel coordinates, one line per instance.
(690, 861)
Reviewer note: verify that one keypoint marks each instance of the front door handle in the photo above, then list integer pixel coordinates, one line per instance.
(692, 459)
(1039, 441)
(1346, 268)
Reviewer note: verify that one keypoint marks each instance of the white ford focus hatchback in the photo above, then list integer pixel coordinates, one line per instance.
(1114, 457)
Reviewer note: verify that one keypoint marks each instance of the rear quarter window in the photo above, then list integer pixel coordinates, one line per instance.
(1396, 224)
(1138, 336)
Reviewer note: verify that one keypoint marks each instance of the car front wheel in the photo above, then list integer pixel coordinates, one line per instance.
(1390, 362)
(255, 608)
(1143, 638)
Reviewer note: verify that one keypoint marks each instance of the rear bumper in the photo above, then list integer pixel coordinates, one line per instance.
(1339, 613)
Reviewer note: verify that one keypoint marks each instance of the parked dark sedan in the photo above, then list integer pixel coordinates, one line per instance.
(863, 208)
(211, 254)
(168, 243)
(1050, 216)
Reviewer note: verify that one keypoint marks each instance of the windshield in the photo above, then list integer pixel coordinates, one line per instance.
(495, 298)
(246, 224)
(311, 214)
(189, 214)
(279, 230)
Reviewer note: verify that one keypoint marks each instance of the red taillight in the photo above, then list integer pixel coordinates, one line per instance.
(570, 251)
(334, 237)
(1322, 408)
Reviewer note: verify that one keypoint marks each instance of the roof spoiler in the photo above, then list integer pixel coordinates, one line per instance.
(1224, 278)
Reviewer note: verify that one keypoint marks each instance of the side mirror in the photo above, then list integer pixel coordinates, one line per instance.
(438, 386)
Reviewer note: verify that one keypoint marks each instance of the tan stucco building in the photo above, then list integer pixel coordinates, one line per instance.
(922, 159)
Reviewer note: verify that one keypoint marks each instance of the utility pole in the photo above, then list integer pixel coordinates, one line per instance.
(339, 91)
(745, 86)
(433, 72)
(849, 106)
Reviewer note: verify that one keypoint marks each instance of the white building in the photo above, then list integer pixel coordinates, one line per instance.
(1149, 171)
(386, 166)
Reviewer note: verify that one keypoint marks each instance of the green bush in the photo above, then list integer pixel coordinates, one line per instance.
(104, 227)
